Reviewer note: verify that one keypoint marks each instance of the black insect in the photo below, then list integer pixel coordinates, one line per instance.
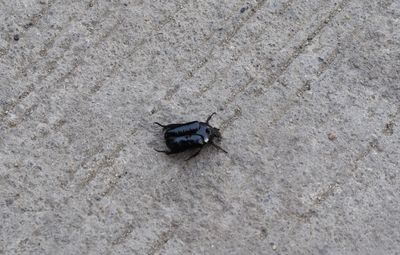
(195, 134)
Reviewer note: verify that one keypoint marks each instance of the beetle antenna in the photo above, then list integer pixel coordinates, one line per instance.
(159, 124)
(209, 118)
(219, 148)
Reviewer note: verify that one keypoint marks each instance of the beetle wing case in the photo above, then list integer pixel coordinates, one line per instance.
(175, 130)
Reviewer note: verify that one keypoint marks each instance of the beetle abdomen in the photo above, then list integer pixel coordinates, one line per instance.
(182, 143)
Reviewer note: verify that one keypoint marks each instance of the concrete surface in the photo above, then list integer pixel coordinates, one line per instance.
(307, 94)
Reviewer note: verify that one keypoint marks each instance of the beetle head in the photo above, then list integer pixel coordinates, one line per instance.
(213, 132)
(216, 133)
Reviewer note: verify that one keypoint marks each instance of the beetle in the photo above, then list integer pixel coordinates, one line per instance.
(190, 135)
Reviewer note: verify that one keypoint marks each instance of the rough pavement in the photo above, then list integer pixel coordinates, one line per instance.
(307, 94)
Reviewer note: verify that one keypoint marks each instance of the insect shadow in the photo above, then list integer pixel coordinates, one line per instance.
(191, 135)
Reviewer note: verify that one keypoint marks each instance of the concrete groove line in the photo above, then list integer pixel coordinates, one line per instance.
(114, 70)
(96, 151)
(112, 184)
(388, 129)
(126, 230)
(189, 74)
(31, 87)
(128, 227)
(207, 87)
(170, 17)
(389, 126)
(241, 89)
(286, 6)
(80, 60)
(25, 115)
(324, 194)
(300, 49)
(323, 67)
(327, 192)
(163, 239)
(326, 63)
(50, 43)
(116, 177)
(136, 48)
(124, 235)
(211, 34)
(246, 19)
(170, 93)
(166, 21)
(232, 11)
(98, 86)
(305, 87)
(62, 79)
(55, 128)
(204, 89)
(34, 20)
(107, 161)
(11, 105)
(157, 245)
(226, 123)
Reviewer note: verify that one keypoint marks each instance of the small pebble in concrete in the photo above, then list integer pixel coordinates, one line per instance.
(244, 9)
(332, 136)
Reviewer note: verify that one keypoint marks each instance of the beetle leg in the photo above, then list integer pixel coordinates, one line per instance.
(166, 152)
(218, 147)
(160, 124)
(194, 155)
(168, 126)
(209, 117)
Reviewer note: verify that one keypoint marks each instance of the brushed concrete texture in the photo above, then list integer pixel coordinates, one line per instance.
(308, 99)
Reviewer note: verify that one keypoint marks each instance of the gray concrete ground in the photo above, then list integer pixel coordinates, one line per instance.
(307, 94)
